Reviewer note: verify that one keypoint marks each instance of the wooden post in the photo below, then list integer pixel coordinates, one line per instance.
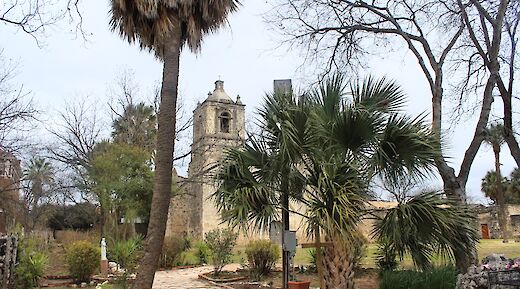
(319, 257)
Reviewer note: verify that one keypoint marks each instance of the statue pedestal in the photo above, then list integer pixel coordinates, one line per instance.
(104, 268)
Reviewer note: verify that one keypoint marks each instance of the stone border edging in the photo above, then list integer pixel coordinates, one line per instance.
(234, 279)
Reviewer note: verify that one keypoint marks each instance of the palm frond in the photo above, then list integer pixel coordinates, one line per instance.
(407, 148)
(378, 95)
(425, 224)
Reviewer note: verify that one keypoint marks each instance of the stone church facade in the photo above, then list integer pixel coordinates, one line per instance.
(218, 123)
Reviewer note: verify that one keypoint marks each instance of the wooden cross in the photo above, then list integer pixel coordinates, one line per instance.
(319, 262)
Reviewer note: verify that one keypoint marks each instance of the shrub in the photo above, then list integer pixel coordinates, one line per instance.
(262, 256)
(313, 259)
(127, 254)
(83, 260)
(220, 242)
(202, 252)
(386, 258)
(359, 248)
(172, 250)
(437, 278)
(31, 260)
(30, 269)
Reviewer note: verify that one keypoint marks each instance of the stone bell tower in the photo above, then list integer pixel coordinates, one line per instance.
(218, 123)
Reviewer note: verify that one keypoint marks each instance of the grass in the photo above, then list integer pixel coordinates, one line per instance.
(486, 247)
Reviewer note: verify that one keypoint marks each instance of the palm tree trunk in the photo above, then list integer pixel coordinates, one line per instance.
(338, 265)
(164, 162)
(501, 202)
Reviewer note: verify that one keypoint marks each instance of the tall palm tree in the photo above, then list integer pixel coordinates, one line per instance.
(335, 148)
(164, 26)
(495, 138)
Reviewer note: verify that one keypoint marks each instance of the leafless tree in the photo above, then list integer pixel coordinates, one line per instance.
(126, 92)
(17, 112)
(33, 16)
(492, 36)
(74, 141)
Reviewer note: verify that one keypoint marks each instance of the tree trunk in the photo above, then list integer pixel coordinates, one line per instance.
(338, 264)
(500, 196)
(163, 163)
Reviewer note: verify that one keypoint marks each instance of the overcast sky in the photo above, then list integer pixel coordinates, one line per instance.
(245, 55)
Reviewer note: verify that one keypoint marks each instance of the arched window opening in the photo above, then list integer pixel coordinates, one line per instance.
(225, 119)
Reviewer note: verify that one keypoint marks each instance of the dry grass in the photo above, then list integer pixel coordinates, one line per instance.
(67, 237)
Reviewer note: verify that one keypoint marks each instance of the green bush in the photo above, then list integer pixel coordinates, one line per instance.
(127, 254)
(262, 256)
(31, 260)
(82, 259)
(172, 250)
(386, 258)
(313, 259)
(220, 242)
(202, 252)
(437, 278)
(30, 269)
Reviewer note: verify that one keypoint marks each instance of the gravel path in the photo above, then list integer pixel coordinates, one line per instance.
(184, 278)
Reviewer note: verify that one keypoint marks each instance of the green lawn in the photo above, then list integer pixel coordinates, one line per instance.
(486, 247)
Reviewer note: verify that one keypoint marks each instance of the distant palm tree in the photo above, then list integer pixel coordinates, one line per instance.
(495, 138)
(164, 26)
(136, 126)
(39, 173)
(488, 185)
(325, 151)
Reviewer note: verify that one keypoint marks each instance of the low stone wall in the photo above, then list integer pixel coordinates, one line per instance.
(8, 250)
(477, 277)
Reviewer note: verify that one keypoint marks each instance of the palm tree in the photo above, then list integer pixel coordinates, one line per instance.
(334, 148)
(136, 126)
(39, 173)
(164, 26)
(489, 185)
(274, 155)
(495, 138)
(514, 186)
(425, 224)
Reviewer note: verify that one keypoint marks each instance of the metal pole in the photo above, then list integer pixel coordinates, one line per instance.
(285, 221)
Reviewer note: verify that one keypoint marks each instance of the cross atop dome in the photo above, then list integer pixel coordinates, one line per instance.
(219, 94)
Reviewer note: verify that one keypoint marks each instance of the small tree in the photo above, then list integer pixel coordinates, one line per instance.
(220, 242)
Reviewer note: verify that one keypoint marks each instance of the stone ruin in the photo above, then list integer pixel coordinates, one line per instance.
(478, 276)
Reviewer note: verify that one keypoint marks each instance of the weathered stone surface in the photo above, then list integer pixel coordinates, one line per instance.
(477, 277)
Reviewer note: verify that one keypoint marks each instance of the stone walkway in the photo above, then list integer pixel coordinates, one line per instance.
(184, 278)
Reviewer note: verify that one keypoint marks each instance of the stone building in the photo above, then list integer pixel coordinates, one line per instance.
(10, 174)
(488, 219)
(218, 123)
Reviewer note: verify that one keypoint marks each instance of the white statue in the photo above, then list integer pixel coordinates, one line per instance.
(103, 249)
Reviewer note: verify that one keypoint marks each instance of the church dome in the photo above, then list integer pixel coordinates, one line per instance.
(219, 94)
